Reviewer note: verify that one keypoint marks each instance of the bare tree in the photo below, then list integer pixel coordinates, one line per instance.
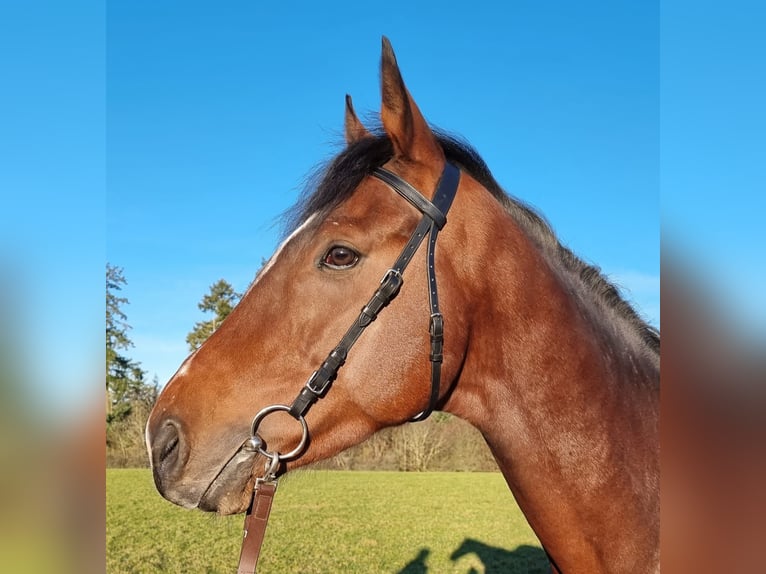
(416, 445)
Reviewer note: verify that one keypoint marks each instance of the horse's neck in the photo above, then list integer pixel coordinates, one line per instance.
(545, 384)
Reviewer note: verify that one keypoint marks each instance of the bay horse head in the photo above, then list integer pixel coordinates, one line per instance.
(539, 351)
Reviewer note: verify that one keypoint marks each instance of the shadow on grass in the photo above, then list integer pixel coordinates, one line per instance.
(418, 565)
(523, 560)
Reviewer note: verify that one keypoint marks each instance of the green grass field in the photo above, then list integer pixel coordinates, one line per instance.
(331, 521)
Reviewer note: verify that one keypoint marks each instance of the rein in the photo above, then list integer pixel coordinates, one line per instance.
(433, 220)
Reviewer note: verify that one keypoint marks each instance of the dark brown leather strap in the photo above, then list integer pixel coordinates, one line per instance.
(255, 525)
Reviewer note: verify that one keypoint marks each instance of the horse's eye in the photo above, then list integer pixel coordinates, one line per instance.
(339, 257)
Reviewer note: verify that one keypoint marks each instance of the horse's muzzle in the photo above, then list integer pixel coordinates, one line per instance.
(214, 487)
(169, 452)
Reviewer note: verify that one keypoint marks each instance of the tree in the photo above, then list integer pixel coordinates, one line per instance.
(221, 301)
(417, 445)
(124, 377)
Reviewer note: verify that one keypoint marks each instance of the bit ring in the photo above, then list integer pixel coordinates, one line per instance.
(256, 443)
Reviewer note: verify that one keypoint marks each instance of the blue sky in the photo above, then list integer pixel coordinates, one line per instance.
(167, 139)
(215, 113)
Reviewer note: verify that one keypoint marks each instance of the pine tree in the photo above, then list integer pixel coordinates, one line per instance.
(221, 301)
(124, 377)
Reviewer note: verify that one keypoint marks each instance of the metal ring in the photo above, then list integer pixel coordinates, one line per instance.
(288, 455)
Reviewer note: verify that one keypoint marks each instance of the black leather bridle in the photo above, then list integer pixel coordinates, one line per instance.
(433, 220)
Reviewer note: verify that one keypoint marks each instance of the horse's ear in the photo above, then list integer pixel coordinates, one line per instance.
(411, 137)
(353, 127)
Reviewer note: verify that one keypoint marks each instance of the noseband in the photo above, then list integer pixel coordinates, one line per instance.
(433, 220)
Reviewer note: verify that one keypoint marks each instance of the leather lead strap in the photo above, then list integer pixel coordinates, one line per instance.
(255, 525)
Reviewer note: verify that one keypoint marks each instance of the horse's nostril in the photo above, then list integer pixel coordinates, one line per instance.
(169, 449)
(169, 452)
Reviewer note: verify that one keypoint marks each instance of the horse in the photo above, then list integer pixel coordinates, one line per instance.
(528, 343)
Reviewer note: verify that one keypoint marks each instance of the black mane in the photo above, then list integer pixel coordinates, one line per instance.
(332, 184)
